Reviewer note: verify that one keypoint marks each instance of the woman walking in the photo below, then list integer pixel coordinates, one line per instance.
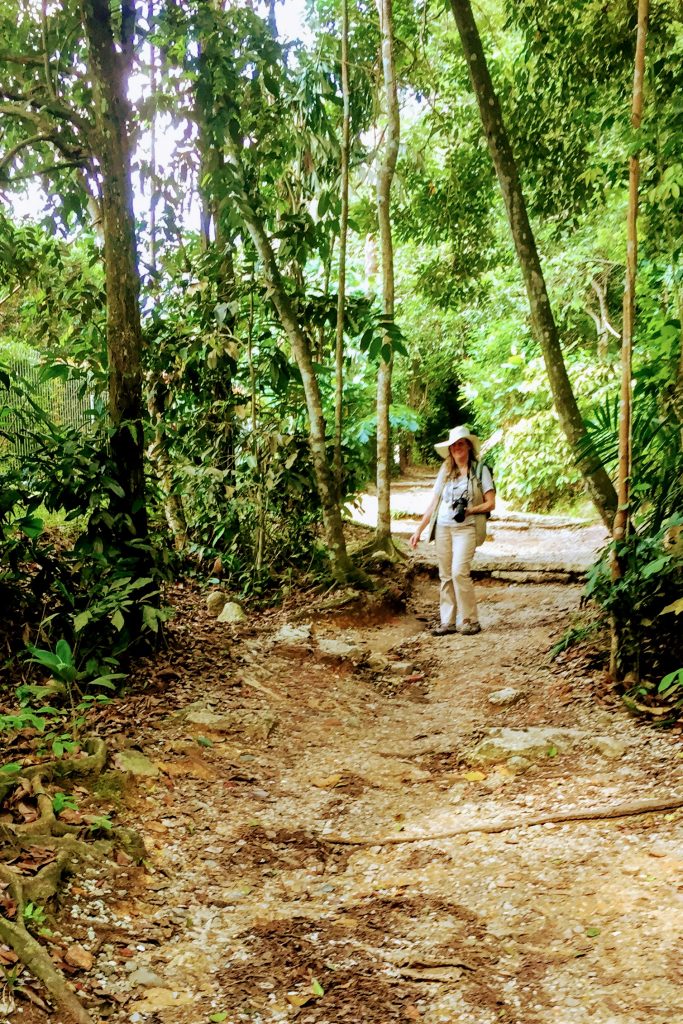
(463, 495)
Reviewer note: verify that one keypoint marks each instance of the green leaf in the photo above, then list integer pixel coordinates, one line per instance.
(653, 568)
(316, 988)
(203, 742)
(592, 932)
(10, 769)
(63, 652)
(46, 658)
(672, 680)
(32, 526)
(106, 681)
(218, 1017)
(81, 620)
(117, 620)
(150, 617)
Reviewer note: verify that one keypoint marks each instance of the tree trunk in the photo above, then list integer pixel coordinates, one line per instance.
(158, 455)
(211, 226)
(544, 328)
(624, 655)
(154, 193)
(384, 180)
(343, 234)
(341, 565)
(109, 64)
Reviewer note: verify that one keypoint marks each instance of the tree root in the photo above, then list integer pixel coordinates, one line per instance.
(379, 549)
(74, 767)
(34, 956)
(47, 832)
(625, 810)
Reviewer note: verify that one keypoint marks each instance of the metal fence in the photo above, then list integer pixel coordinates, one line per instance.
(66, 402)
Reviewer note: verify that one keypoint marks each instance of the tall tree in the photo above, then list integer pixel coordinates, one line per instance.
(384, 180)
(110, 63)
(53, 104)
(341, 565)
(598, 483)
(624, 650)
(343, 234)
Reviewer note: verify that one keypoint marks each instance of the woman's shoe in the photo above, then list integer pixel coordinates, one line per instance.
(469, 628)
(443, 630)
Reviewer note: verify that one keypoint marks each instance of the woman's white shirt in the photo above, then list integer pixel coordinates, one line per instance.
(458, 488)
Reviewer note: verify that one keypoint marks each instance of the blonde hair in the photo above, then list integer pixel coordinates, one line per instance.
(452, 470)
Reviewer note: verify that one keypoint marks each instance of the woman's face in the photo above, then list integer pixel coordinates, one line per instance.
(460, 450)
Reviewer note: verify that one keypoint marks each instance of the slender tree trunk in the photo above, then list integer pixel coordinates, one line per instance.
(678, 386)
(624, 659)
(259, 544)
(213, 227)
(109, 63)
(343, 235)
(544, 328)
(153, 149)
(384, 180)
(341, 565)
(159, 457)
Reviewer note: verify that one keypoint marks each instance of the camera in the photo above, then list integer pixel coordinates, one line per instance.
(459, 506)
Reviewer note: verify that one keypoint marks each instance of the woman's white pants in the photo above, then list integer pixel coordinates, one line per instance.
(455, 546)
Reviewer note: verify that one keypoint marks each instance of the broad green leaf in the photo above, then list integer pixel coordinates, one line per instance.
(32, 526)
(82, 620)
(63, 652)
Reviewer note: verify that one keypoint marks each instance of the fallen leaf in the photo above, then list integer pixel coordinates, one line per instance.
(327, 781)
(299, 998)
(71, 816)
(156, 826)
(316, 988)
(161, 999)
(412, 1012)
(193, 766)
(33, 997)
(475, 776)
(30, 861)
(28, 813)
(79, 957)
(8, 907)
(435, 974)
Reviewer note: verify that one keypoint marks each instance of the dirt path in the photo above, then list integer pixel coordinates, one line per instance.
(519, 543)
(268, 739)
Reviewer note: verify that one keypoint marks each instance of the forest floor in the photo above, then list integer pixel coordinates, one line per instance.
(296, 778)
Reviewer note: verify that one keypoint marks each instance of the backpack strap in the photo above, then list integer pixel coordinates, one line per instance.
(478, 471)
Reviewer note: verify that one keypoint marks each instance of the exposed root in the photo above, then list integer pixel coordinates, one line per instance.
(47, 833)
(589, 814)
(72, 767)
(34, 956)
(378, 550)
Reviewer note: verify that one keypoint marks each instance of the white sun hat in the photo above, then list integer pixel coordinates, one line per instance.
(458, 434)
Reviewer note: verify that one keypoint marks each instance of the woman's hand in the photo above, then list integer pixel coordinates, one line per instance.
(488, 505)
(415, 539)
